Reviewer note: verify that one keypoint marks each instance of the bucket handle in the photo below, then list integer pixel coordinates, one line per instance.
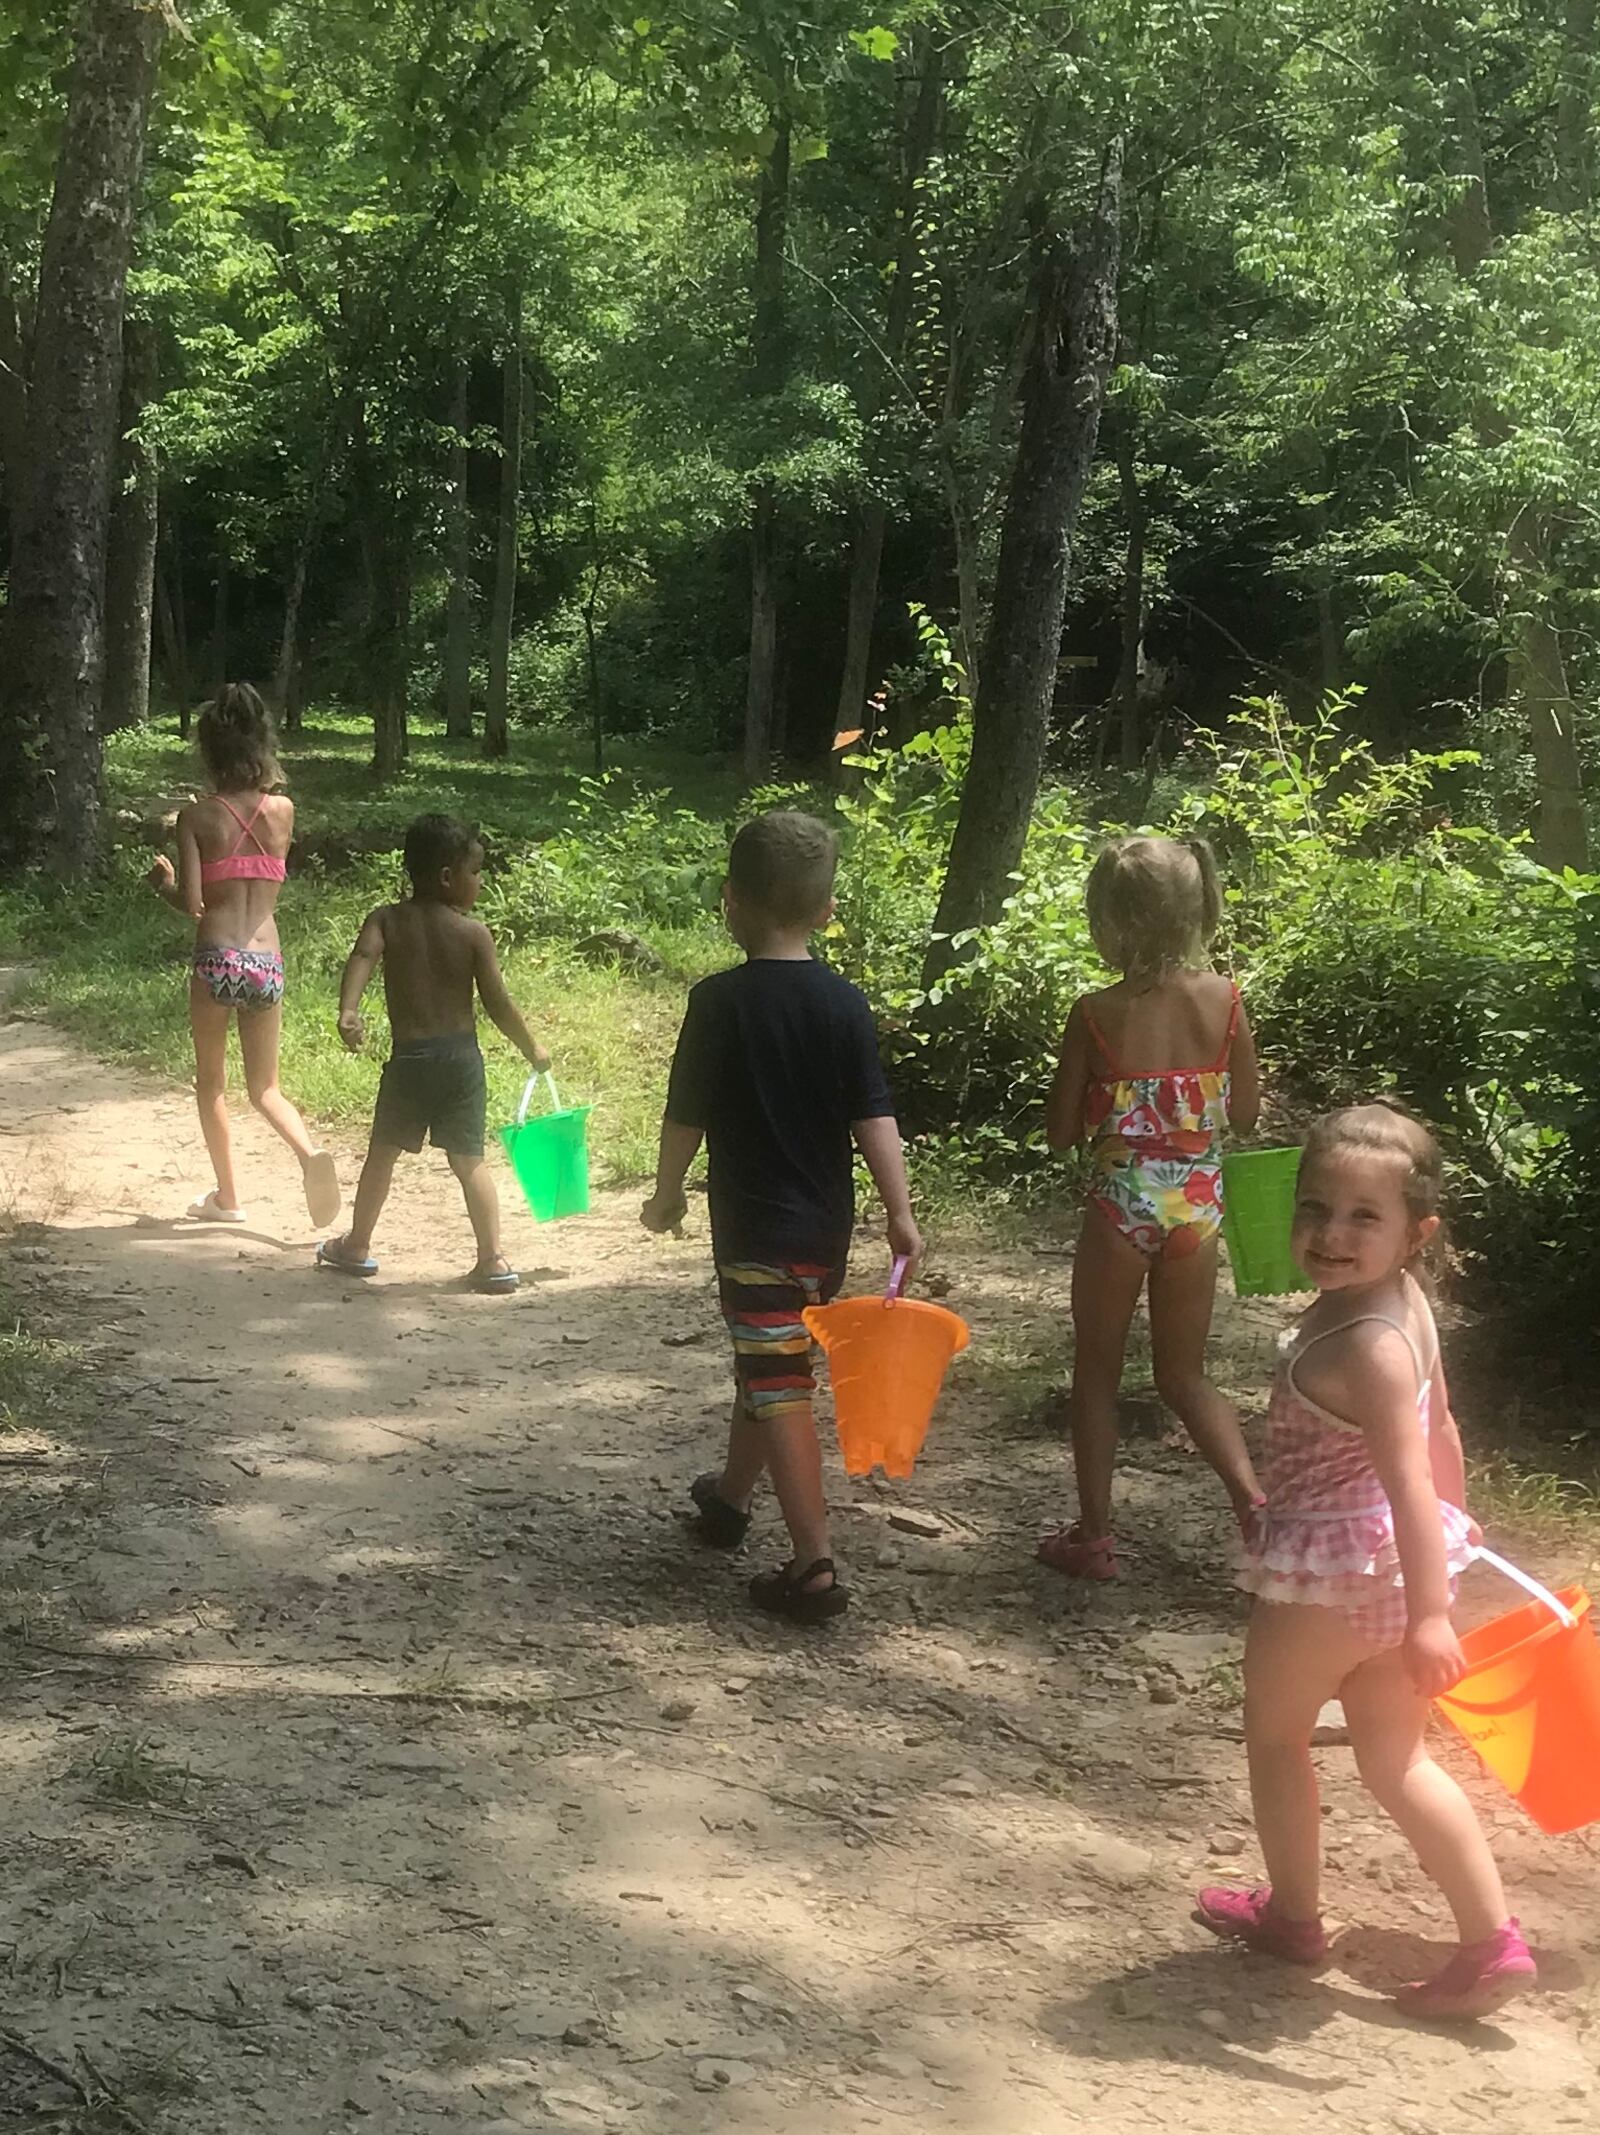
(1518, 1577)
(897, 1277)
(528, 1088)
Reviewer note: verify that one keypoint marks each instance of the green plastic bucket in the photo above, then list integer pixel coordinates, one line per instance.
(550, 1155)
(1258, 1189)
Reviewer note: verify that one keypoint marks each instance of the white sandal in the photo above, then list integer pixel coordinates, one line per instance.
(208, 1209)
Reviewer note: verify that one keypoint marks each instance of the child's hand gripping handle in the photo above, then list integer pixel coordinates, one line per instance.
(1518, 1577)
(897, 1277)
(528, 1088)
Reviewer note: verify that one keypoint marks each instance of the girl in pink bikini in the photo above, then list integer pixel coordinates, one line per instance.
(232, 849)
(1353, 1561)
(1153, 1072)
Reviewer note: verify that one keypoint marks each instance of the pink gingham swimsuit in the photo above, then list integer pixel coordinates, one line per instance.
(1326, 1533)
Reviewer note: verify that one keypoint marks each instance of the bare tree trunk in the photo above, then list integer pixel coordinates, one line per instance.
(769, 343)
(866, 556)
(219, 621)
(1539, 685)
(1135, 598)
(131, 543)
(496, 730)
(50, 674)
(171, 617)
(1574, 103)
(597, 702)
(285, 693)
(1074, 301)
(13, 396)
(458, 604)
(385, 544)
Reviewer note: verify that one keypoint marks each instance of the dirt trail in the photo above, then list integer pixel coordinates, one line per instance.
(500, 1811)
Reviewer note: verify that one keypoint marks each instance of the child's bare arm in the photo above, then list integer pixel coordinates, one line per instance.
(1444, 1446)
(498, 1005)
(1375, 1379)
(879, 1142)
(1063, 1112)
(1244, 1084)
(181, 887)
(668, 1204)
(362, 962)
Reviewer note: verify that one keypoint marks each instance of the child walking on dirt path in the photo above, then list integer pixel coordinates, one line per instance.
(776, 1069)
(437, 962)
(233, 848)
(1153, 1071)
(1353, 1562)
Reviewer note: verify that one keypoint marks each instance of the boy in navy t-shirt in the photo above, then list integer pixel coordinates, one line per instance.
(777, 1069)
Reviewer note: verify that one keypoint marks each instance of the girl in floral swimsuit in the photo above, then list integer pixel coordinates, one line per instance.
(232, 850)
(1153, 1071)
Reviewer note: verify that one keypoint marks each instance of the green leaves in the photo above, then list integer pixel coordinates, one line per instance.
(876, 43)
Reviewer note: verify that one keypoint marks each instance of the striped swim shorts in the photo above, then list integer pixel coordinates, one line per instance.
(762, 1304)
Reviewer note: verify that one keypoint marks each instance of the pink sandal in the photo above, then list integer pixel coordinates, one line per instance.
(1067, 1551)
(1481, 1978)
(1247, 1916)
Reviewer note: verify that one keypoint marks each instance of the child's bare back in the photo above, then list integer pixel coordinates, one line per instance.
(1181, 1021)
(434, 959)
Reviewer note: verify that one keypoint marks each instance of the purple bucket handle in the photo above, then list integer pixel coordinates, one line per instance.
(897, 1276)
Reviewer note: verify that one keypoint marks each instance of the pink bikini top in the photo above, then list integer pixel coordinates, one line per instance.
(240, 866)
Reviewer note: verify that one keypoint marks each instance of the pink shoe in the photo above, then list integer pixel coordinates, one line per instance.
(1067, 1551)
(1247, 1916)
(1481, 1978)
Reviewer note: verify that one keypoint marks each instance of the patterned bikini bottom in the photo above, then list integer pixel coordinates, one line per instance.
(240, 978)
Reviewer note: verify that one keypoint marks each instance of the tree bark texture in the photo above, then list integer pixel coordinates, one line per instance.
(458, 602)
(50, 677)
(1135, 597)
(285, 695)
(131, 543)
(1538, 676)
(769, 369)
(866, 554)
(385, 547)
(1074, 300)
(171, 617)
(496, 728)
(13, 394)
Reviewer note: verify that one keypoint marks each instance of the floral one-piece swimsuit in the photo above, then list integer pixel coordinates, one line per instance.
(1156, 1147)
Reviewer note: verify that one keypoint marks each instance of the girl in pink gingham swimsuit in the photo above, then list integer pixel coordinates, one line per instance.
(1353, 1561)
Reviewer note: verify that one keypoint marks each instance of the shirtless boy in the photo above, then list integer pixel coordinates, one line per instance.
(435, 958)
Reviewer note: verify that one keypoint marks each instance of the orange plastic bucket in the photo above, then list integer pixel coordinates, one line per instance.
(887, 1357)
(1529, 1705)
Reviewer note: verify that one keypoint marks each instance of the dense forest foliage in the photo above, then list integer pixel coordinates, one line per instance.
(1016, 389)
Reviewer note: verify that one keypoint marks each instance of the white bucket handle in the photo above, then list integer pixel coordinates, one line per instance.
(1529, 1585)
(528, 1088)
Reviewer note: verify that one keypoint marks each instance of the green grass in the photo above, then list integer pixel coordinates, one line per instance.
(33, 1372)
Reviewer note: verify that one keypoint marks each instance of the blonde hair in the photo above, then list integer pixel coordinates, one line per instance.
(1154, 905)
(1385, 1128)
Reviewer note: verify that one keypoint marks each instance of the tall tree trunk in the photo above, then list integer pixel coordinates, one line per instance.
(284, 695)
(866, 555)
(770, 352)
(50, 673)
(496, 731)
(1538, 677)
(13, 396)
(1574, 107)
(171, 617)
(222, 586)
(131, 543)
(385, 543)
(1074, 301)
(1135, 597)
(597, 702)
(458, 604)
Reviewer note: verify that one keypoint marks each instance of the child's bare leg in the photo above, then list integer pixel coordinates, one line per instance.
(1295, 1659)
(259, 1032)
(1182, 1292)
(377, 1176)
(1386, 1718)
(208, 1022)
(747, 1457)
(1107, 1276)
(795, 1460)
(483, 1207)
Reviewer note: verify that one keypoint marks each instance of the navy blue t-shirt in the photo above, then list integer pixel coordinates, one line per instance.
(776, 1058)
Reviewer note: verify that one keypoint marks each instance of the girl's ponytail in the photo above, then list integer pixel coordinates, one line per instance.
(1210, 885)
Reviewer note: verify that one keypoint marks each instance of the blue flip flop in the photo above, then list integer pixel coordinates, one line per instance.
(327, 1259)
(500, 1284)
